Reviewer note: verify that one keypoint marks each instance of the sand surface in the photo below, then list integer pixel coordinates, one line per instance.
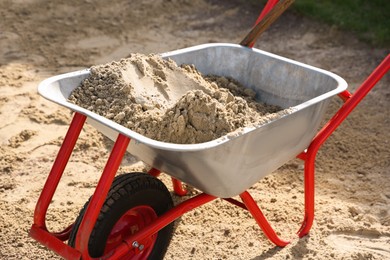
(40, 38)
(170, 103)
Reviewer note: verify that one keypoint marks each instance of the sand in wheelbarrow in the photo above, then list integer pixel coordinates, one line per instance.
(170, 103)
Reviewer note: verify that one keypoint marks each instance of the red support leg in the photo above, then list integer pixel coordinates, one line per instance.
(309, 186)
(345, 95)
(154, 172)
(236, 203)
(261, 220)
(178, 187)
(38, 231)
(351, 101)
(100, 194)
(57, 170)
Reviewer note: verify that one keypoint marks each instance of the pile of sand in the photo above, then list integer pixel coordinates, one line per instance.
(156, 98)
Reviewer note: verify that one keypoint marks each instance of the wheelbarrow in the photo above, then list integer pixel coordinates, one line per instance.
(131, 216)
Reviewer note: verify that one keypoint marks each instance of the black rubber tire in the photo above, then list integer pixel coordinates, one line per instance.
(128, 191)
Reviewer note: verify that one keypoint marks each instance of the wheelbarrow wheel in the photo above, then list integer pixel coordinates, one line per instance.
(133, 202)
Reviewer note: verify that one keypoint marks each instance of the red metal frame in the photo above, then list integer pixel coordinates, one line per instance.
(98, 198)
(267, 8)
(177, 185)
(55, 241)
(351, 101)
(162, 222)
(141, 217)
(39, 231)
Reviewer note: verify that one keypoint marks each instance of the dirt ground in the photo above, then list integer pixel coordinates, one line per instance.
(41, 38)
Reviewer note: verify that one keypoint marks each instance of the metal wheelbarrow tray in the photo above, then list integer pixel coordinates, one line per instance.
(222, 168)
(227, 166)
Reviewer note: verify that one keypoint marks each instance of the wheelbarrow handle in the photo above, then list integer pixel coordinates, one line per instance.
(267, 20)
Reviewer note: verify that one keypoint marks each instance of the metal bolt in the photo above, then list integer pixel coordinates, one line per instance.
(137, 245)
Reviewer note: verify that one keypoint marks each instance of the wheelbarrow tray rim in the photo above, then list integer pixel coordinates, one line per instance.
(46, 90)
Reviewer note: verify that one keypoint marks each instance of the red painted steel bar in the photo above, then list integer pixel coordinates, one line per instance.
(39, 230)
(48, 240)
(57, 170)
(64, 235)
(261, 219)
(178, 187)
(154, 172)
(236, 203)
(161, 222)
(270, 13)
(309, 186)
(345, 95)
(100, 194)
(267, 8)
(326, 131)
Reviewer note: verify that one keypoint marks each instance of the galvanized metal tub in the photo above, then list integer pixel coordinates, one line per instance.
(227, 166)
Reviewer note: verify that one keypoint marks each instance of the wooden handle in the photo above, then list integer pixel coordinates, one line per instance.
(268, 19)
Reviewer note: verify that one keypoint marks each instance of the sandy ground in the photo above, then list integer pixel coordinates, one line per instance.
(41, 38)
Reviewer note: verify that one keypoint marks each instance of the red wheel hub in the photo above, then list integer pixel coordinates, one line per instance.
(131, 222)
